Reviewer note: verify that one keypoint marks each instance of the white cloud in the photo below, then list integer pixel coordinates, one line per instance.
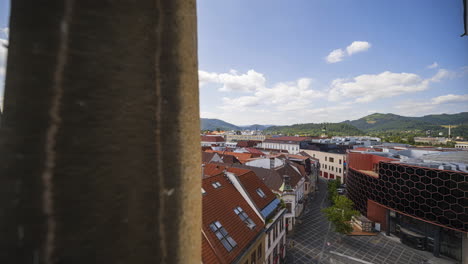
(5, 31)
(433, 65)
(283, 96)
(370, 87)
(233, 81)
(411, 107)
(335, 56)
(450, 98)
(442, 74)
(358, 46)
(207, 77)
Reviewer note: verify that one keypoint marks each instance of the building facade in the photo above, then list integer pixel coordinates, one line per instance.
(332, 165)
(290, 144)
(234, 138)
(427, 208)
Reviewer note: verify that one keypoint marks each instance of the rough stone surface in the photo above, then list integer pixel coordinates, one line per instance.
(100, 134)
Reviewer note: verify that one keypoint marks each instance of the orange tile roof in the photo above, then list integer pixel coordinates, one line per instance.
(242, 157)
(209, 252)
(218, 205)
(212, 138)
(249, 181)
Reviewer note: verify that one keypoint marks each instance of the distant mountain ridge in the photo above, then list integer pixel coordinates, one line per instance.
(213, 124)
(388, 122)
(373, 123)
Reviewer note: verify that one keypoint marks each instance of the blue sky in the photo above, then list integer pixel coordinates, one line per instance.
(265, 61)
(286, 62)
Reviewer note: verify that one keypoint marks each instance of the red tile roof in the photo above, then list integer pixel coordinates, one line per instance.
(270, 177)
(218, 205)
(249, 181)
(254, 151)
(212, 139)
(248, 143)
(209, 253)
(242, 157)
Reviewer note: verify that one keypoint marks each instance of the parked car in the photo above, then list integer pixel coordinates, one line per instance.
(341, 191)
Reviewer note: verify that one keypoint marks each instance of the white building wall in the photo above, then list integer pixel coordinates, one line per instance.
(271, 243)
(264, 163)
(331, 163)
(292, 148)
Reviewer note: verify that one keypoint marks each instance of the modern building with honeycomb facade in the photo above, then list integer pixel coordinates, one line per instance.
(424, 203)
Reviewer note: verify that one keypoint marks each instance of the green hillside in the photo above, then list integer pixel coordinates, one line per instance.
(390, 122)
(311, 129)
(386, 122)
(446, 119)
(213, 124)
(377, 124)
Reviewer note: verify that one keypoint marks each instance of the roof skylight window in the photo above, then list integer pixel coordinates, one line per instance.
(244, 217)
(223, 236)
(261, 193)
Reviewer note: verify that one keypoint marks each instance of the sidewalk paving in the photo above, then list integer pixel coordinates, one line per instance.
(315, 242)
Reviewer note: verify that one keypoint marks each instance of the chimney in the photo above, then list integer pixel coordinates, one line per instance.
(202, 171)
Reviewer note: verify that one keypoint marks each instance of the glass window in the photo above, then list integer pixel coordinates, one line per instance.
(223, 236)
(325, 158)
(216, 185)
(244, 217)
(261, 193)
(203, 191)
(331, 159)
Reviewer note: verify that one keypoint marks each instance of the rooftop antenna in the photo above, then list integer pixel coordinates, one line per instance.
(449, 132)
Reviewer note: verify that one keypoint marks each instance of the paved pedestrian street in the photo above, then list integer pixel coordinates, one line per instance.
(314, 241)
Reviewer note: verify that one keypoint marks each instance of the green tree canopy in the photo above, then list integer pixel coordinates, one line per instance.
(340, 214)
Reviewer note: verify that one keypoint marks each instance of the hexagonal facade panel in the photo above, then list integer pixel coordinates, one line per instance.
(437, 196)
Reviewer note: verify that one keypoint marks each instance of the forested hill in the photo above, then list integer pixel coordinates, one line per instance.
(374, 124)
(392, 122)
(311, 129)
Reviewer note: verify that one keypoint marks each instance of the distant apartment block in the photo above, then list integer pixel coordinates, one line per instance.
(234, 138)
(212, 141)
(331, 157)
(290, 144)
(431, 140)
(461, 145)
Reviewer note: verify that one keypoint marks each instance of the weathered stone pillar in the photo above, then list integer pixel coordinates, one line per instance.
(99, 142)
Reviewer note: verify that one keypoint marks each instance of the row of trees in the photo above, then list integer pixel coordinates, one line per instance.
(341, 210)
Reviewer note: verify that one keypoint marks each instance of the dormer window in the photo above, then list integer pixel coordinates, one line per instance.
(216, 185)
(261, 193)
(223, 236)
(244, 217)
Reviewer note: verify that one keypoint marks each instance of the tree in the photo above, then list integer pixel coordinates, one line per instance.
(332, 189)
(340, 214)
